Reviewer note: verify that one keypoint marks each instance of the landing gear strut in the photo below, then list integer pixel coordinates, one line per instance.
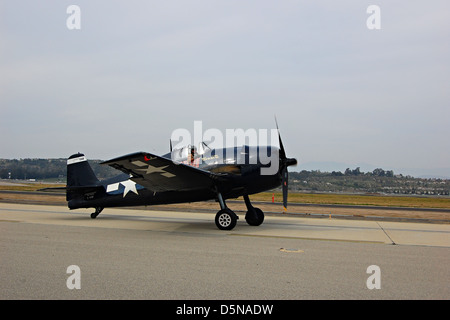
(226, 219)
(254, 216)
(97, 212)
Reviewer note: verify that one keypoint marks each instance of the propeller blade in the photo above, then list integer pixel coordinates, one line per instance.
(285, 178)
(285, 162)
(282, 152)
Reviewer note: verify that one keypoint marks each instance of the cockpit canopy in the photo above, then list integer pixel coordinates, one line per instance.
(189, 151)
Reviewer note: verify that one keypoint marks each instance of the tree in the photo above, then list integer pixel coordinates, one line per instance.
(355, 172)
(379, 172)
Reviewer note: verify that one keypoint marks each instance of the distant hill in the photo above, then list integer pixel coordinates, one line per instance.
(45, 169)
(356, 181)
(353, 180)
(330, 166)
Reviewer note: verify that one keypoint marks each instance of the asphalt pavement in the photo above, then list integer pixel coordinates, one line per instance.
(45, 251)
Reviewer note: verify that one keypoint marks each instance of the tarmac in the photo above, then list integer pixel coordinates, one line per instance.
(146, 254)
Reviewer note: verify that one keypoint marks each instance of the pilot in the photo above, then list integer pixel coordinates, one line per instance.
(193, 158)
(192, 155)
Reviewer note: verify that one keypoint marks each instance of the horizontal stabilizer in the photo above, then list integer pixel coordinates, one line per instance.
(80, 191)
(54, 189)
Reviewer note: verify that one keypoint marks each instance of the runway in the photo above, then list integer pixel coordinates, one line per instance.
(145, 254)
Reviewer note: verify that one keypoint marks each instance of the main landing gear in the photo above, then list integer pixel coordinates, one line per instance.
(226, 219)
(254, 216)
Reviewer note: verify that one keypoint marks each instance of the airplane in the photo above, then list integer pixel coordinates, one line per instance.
(186, 174)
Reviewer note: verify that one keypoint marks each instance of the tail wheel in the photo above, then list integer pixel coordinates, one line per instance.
(97, 212)
(226, 219)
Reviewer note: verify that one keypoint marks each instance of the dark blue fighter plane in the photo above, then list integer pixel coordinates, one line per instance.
(187, 174)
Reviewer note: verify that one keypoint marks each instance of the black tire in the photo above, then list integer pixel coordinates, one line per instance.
(97, 212)
(226, 219)
(255, 218)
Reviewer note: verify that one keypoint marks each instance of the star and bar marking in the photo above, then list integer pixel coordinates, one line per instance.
(128, 184)
(152, 169)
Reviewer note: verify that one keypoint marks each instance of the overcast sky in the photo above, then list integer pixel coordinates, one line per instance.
(138, 70)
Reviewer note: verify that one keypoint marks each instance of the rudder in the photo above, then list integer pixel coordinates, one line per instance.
(79, 172)
(80, 179)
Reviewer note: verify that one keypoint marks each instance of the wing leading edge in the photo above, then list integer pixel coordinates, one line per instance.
(161, 174)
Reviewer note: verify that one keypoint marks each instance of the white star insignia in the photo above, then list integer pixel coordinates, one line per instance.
(129, 186)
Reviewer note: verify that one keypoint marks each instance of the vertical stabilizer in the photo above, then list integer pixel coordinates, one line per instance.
(79, 172)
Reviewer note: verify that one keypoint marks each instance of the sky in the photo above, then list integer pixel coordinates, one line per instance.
(135, 71)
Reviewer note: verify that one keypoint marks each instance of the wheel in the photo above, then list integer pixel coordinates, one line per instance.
(226, 219)
(255, 217)
(96, 213)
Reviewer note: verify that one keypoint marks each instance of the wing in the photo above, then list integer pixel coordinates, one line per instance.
(161, 174)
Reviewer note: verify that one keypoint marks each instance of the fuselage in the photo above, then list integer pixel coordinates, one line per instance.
(241, 166)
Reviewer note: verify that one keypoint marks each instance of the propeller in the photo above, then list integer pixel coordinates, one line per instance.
(285, 162)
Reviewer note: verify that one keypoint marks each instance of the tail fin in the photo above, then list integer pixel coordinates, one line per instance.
(79, 172)
(79, 175)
